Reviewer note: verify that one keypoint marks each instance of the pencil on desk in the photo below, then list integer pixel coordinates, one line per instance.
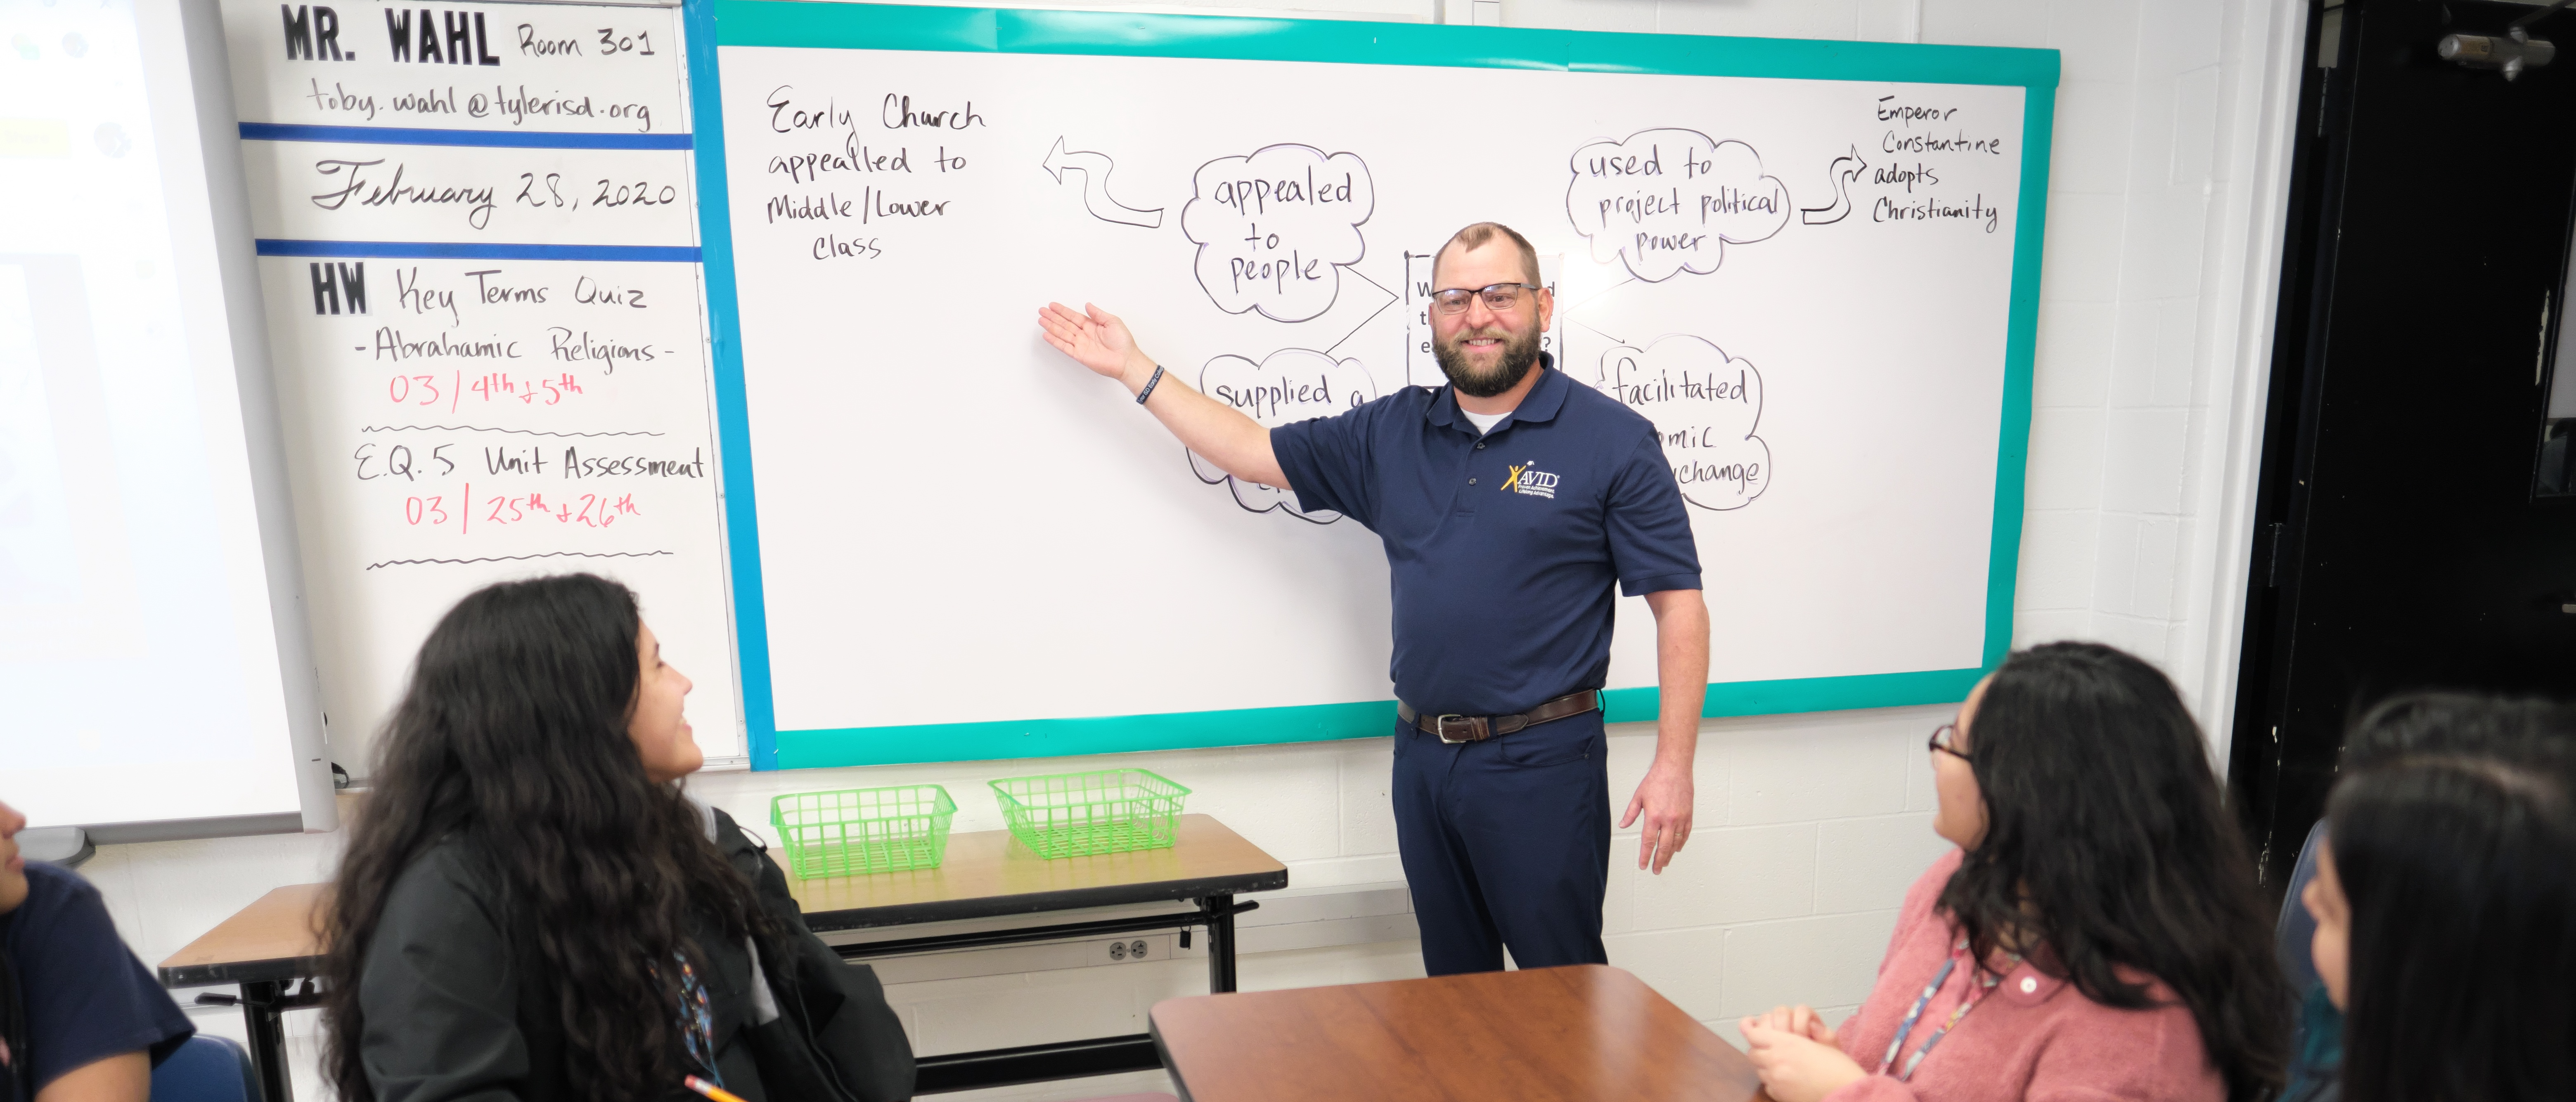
(718, 1094)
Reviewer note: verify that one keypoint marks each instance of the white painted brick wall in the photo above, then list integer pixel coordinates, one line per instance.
(1810, 827)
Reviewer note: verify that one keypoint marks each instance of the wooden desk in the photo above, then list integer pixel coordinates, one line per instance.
(1584, 1032)
(265, 945)
(987, 874)
(275, 938)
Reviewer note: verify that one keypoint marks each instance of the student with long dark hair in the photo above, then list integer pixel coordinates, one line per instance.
(2445, 899)
(2518, 731)
(2098, 933)
(529, 907)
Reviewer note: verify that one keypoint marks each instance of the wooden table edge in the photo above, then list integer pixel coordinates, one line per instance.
(1163, 1052)
(212, 958)
(241, 971)
(1161, 1003)
(1271, 876)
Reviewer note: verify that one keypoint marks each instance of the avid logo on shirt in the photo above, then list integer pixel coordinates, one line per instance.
(1526, 478)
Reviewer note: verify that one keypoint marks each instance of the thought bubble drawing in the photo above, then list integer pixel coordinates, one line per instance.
(1292, 385)
(1274, 228)
(1671, 201)
(1705, 405)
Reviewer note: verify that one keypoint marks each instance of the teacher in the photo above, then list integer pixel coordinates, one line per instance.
(1509, 500)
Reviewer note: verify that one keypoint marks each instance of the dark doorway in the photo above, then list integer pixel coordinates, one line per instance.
(2413, 524)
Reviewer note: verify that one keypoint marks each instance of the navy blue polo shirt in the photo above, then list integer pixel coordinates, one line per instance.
(84, 995)
(1502, 548)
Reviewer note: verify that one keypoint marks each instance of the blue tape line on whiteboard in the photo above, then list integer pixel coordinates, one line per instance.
(477, 250)
(497, 139)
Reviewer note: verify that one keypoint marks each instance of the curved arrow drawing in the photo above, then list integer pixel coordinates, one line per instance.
(1828, 215)
(1095, 168)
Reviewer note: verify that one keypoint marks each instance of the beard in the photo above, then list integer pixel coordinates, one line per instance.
(1519, 355)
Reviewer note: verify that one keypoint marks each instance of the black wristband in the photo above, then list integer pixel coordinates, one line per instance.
(1148, 392)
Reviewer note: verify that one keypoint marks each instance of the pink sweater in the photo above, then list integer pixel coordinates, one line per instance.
(2033, 1037)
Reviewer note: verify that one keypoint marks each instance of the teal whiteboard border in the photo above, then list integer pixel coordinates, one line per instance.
(797, 23)
(733, 417)
(2021, 342)
(988, 30)
(1047, 738)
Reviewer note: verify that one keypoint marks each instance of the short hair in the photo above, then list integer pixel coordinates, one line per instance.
(2513, 729)
(1477, 234)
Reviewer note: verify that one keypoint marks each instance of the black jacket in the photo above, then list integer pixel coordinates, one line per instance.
(454, 995)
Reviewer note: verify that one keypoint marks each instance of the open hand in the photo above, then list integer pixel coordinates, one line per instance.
(1664, 799)
(1095, 338)
(1796, 1068)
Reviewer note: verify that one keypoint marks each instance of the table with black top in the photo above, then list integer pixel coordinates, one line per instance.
(272, 950)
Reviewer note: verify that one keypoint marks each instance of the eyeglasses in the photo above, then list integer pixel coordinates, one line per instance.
(1942, 737)
(1498, 298)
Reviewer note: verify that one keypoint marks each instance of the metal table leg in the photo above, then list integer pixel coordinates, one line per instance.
(959, 1071)
(264, 1016)
(1220, 923)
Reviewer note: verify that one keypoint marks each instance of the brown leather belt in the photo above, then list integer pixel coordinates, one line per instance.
(1454, 728)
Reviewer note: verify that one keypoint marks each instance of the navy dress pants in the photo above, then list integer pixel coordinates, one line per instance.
(1506, 843)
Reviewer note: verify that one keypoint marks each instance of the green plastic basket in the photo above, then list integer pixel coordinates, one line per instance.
(863, 830)
(1077, 814)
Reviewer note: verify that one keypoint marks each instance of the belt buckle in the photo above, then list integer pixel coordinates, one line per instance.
(1440, 725)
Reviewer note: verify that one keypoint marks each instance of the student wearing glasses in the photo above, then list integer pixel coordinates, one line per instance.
(1513, 502)
(2098, 933)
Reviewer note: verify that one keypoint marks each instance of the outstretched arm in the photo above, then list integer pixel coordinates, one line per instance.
(1096, 339)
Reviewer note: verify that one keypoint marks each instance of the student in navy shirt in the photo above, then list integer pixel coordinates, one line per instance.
(1511, 502)
(81, 1019)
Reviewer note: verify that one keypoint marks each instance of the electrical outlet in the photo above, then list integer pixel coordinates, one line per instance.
(1135, 949)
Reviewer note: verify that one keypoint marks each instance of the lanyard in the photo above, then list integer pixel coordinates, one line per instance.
(1977, 989)
(697, 1024)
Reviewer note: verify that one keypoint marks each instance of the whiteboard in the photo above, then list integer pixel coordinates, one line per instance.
(1814, 266)
(478, 252)
(152, 654)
